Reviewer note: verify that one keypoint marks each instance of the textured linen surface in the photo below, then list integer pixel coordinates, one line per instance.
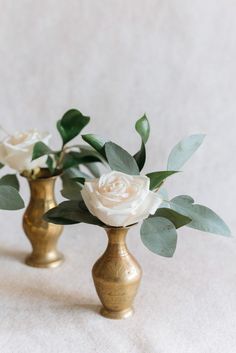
(114, 60)
(184, 305)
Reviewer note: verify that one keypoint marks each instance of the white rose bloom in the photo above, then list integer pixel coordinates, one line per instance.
(119, 200)
(16, 150)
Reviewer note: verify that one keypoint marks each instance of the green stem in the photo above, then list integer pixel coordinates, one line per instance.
(60, 159)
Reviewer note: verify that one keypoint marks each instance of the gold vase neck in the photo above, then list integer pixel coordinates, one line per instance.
(116, 246)
(42, 188)
(117, 235)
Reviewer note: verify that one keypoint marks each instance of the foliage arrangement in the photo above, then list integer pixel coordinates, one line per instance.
(30, 155)
(158, 230)
(67, 157)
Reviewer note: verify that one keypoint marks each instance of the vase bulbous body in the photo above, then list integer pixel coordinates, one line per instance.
(42, 235)
(117, 276)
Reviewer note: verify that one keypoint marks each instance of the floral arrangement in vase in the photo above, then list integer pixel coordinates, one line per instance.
(121, 198)
(30, 155)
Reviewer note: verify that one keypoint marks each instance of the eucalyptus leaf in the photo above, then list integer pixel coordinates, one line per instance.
(79, 180)
(71, 124)
(72, 184)
(10, 199)
(74, 172)
(72, 190)
(203, 218)
(140, 156)
(57, 220)
(156, 178)
(176, 218)
(11, 180)
(159, 235)
(93, 169)
(98, 143)
(50, 164)
(74, 158)
(71, 211)
(183, 151)
(120, 160)
(40, 149)
(143, 128)
(90, 151)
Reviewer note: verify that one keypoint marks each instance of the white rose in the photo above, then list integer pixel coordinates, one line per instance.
(16, 150)
(119, 200)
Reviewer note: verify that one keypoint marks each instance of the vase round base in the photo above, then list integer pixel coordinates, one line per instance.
(35, 261)
(116, 315)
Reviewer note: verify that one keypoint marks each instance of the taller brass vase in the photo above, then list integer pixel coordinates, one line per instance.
(42, 235)
(116, 276)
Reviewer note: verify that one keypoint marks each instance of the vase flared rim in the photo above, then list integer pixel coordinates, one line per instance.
(44, 174)
(106, 227)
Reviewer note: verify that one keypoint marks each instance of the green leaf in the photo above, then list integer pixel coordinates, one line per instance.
(143, 128)
(60, 220)
(72, 189)
(71, 124)
(98, 143)
(40, 149)
(1, 165)
(50, 164)
(74, 172)
(183, 151)
(140, 156)
(120, 160)
(203, 218)
(10, 199)
(159, 235)
(174, 217)
(11, 180)
(156, 178)
(79, 180)
(75, 158)
(72, 183)
(71, 211)
(87, 150)
(93, 169)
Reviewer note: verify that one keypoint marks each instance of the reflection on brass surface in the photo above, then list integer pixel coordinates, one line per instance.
(42, 235)
(116, 276)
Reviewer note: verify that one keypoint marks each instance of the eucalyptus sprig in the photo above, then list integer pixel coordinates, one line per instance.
(158, 231)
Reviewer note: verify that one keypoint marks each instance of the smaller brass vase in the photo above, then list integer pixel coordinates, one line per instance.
(42, 235)
(116, 276)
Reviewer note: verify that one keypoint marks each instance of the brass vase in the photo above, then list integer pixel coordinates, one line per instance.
(116, 276)
(42, 235)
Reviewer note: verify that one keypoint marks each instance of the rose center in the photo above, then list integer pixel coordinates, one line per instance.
(119, 189)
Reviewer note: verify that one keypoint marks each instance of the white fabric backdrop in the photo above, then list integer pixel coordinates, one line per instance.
(115, 60)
